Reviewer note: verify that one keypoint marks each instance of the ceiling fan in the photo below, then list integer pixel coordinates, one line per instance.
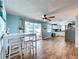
(47, 18)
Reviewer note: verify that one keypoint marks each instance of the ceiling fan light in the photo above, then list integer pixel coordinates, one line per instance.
(45, 20)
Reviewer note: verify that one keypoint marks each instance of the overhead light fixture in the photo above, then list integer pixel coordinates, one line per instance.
(45, 20)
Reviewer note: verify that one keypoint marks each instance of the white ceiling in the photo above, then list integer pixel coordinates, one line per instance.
(34, 9)
(65, 20)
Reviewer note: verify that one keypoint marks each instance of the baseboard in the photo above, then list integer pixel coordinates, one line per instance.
(47, 38)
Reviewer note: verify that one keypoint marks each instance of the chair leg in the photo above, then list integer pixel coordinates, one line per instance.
(9, 52)
(20, 51)
(33, 50)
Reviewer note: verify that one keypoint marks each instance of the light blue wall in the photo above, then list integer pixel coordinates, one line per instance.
(2, 10)
(13, 23)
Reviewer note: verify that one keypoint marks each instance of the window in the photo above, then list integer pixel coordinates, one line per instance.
(27, 27)
(31, 28)
(62, 27)
(49, 28)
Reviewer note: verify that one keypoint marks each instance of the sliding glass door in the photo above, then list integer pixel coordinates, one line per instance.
(27, 27)
(32, 28)
(37, 30)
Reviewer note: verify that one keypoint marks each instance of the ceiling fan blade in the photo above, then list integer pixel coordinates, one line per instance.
(48, 19)
(51, 17)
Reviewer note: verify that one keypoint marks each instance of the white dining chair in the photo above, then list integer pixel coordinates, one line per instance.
(30, 46)
(15, 47)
